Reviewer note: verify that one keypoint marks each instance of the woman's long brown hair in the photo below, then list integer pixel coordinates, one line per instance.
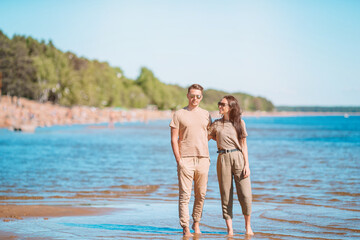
(235, 116)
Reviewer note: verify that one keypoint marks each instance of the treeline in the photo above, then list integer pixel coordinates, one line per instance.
(39, 71)
(317, 109)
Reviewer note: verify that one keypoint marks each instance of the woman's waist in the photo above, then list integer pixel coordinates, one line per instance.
(228, 146)
(221, 151)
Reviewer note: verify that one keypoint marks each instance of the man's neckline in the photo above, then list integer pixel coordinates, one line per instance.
(192, 110)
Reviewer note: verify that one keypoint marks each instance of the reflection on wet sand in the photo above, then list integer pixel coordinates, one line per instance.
(130, 228)
(156, 231)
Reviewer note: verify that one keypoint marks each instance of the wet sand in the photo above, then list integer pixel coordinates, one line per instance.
(19, 212)
(158, 220)
(11, 213)
(130, 220)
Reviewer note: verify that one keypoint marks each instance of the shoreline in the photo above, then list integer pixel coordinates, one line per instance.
(299, 114)
(20, 114)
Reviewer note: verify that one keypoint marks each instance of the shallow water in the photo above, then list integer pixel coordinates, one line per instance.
(305, 175)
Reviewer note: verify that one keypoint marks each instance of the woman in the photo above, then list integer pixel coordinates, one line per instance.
(230, 134)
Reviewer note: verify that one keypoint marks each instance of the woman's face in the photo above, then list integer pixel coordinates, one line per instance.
(223, 106)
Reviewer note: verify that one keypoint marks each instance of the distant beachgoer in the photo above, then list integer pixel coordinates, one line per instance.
(189, 141)
(111, 120)
(229, 132)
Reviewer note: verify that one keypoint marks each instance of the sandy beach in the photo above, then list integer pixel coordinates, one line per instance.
(25, 115)
(20, 114)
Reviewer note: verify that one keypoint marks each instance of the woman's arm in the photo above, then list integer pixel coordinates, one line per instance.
(246, 171)
(212, 132)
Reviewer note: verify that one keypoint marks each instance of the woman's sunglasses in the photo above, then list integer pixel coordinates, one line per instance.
(222, 104)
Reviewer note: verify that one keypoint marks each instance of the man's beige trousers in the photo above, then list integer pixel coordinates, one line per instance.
(192, 169)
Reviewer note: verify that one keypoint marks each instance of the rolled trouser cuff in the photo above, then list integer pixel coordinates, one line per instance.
(227, 217)
(184, 223)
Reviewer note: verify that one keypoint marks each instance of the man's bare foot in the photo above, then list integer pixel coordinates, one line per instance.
(186, 232)
(196, 227)
(229, 227)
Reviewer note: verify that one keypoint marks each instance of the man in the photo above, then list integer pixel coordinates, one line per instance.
(189, 141)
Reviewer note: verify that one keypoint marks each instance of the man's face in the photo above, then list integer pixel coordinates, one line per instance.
(195, 97)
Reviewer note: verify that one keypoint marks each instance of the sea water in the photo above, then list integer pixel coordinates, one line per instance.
(305, 174)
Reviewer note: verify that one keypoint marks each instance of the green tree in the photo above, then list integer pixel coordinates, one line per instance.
(17, 68)
(40, 71)
(152, 87)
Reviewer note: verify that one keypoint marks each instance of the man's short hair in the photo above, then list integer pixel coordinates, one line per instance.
(196, 86)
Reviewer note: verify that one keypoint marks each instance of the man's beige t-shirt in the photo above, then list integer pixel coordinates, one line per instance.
(225, 134)
(193, 131)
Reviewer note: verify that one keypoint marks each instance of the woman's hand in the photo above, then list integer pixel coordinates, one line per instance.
(246, 171)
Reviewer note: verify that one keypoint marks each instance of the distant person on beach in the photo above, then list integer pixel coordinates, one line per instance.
(189, 141)
(229, 132)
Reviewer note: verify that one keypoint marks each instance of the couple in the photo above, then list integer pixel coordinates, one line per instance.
(191, 128)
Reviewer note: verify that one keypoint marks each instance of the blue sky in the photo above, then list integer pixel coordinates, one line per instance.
(293, 52)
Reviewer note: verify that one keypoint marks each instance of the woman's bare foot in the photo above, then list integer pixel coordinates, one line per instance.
(186, 232)
(248, 225)
(196, 227)
(249, 231)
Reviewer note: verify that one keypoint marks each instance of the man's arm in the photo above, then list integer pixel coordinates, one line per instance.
(175, 143)
(209, 129)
